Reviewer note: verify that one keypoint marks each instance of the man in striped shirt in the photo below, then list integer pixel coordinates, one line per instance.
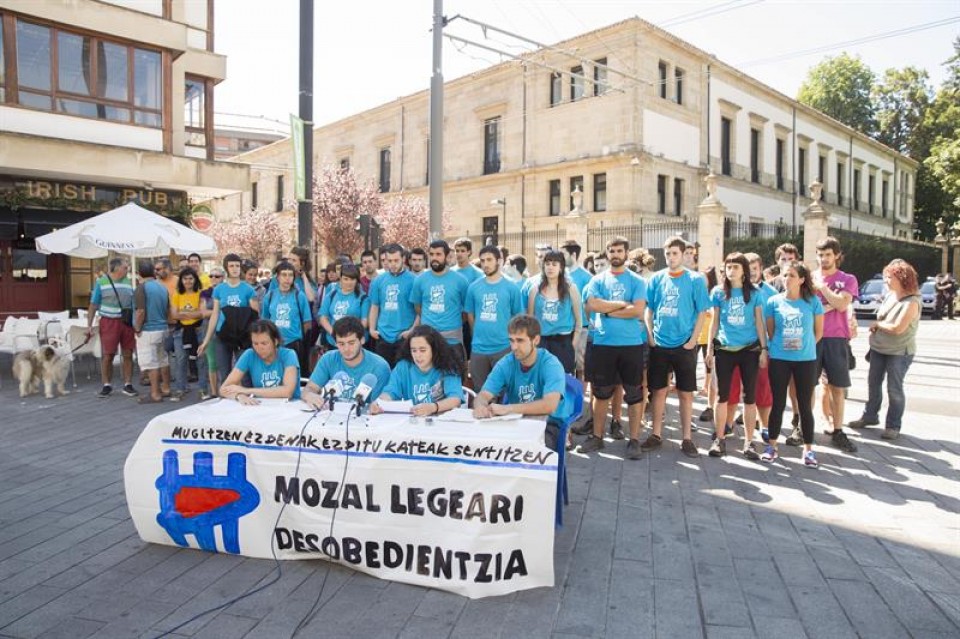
(112, 294)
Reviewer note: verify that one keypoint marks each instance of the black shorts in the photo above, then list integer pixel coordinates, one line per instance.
(833, 356)
(616, 365)
(681, 361)
(562, 347)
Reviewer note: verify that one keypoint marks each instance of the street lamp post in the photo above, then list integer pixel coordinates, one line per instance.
(502, 201)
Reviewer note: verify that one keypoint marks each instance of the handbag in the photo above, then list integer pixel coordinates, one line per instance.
(126, 314)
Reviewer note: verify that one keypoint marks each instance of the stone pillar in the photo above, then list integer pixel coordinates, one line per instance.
(955, 243)
(943, 243)
(710, 217)
(816, 222)
(576, 220)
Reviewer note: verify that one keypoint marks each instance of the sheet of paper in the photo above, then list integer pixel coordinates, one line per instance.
(466, 415)
(396, 406)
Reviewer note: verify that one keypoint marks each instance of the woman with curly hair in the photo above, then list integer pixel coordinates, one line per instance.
(893, 343)
(427, 373)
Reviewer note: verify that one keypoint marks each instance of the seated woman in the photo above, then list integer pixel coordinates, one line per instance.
(427, 373)
(273, 370)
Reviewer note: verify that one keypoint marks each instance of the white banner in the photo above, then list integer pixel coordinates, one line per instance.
(467, 508)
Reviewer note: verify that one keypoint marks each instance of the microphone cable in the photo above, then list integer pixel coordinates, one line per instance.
(273, 550)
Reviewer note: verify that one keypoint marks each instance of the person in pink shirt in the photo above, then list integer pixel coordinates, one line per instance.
(836, 290)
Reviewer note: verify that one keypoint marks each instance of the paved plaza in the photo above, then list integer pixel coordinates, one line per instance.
(868, 545)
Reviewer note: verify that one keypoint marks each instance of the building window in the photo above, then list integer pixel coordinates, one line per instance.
(87, 76)
(385, 170)
(839, 183)
(725, 140)
(678, 85)
(755, 155)
(254, 196)
(426, 178)
(883, 197)
(600, 85)
(491, 146)
(344, 164)
(856, 189)
(802, 170)
(871, 198)
(576, 83)
(781, 153)
(194, 106)
(556, 89)
(661, 194)
(822, 174)
(677, 197)
(279, 192)
(662, 72)
(599, 191)
(576, 182)
(554, 197)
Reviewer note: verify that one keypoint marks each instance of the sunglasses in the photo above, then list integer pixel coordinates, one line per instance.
(219, 277)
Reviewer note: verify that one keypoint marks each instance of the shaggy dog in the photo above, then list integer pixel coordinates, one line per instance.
(44, 364)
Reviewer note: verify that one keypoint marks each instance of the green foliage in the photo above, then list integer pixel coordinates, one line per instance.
(901, 99)
(765, 247)
(841, 87)
(866, 255)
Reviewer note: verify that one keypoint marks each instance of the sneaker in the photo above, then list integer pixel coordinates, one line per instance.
(739, 419)
(810, 460)
(105, 391)
(591, 444)
(728, 430)
(586, 428)
(863, 423)
(796, 437)
(177, 396)
(129, 390)
(718, 448)
(688, 448)
(765, 435)
(750, 453)
(890, 433)
(706, 415)
(769, 454)
(795, 422)
(204, 396)
(652, 442)
(841, 441)
(616, 429)
(633, 449)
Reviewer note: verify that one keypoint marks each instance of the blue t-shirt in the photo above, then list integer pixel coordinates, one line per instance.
(156, 306)
(556, 316)
(492, 306)
(239, 296)
(441, 299)
(617, 287)
(264, 375)
(676, 301)
(469, 272)
(793, 335)
(332, 363)
(525, 386)
(531, 282)
(391, 295)
(580, 277)
(408, 382)
(288, 311)
(103, 296)
(337, 304)
(738, 324)
(767, 290)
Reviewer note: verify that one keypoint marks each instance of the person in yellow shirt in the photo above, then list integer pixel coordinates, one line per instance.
(709, 388)
(185, 310)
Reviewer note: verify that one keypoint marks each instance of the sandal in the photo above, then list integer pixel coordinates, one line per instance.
(146, 399)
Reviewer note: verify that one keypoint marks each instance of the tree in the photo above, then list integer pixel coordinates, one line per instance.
(256, 234)
(406, 220)
(901, 100)
(840, 87)
(339, 196)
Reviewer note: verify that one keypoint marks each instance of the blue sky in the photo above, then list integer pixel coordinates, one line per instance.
(368, 52)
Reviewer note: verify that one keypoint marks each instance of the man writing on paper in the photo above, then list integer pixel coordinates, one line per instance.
(530, 379)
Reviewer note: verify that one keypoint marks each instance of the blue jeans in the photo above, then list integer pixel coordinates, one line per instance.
(894, 367)
(226, 356)
(181, 359)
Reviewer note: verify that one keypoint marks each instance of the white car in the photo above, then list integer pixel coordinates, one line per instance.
(871, 294)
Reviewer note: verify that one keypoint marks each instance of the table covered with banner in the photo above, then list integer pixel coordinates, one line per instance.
(461, 506)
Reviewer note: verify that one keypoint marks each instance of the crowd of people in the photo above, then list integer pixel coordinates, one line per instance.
(431, 325)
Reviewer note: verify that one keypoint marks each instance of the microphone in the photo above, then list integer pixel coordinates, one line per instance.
(364, 388)
(334, 387)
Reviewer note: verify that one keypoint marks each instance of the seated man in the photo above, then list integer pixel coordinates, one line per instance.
(349, 358)
(272, 369)
(532, 379)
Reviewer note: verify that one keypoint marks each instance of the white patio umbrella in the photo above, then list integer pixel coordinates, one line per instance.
(129, 229)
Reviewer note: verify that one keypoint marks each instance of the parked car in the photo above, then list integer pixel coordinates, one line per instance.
(868, 302)
(928, 297)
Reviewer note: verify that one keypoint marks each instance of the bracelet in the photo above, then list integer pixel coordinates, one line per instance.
(437, 404)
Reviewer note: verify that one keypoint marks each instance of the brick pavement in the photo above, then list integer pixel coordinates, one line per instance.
(866, 546)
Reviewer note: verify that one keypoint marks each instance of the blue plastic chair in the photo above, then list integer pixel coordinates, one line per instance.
(573, 389)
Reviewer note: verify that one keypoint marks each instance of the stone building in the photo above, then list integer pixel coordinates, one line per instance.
(101, 102)
(634, 122)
